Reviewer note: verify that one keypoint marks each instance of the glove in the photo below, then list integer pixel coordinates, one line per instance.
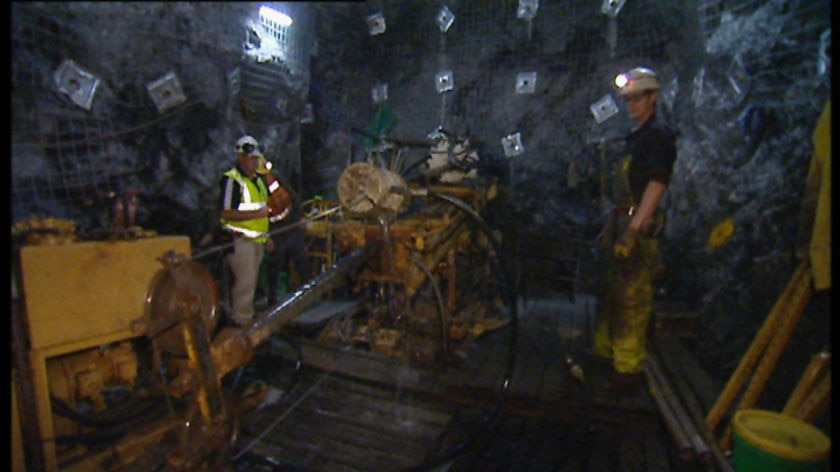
(625, 244)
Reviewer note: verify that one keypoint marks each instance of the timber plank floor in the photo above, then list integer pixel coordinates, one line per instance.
(513, 403)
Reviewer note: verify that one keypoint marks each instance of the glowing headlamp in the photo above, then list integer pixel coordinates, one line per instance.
(622, 80)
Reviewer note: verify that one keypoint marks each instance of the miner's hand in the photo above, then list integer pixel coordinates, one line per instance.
(625, 244)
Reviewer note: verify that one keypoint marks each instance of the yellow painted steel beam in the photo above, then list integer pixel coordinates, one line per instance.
(815, 403)
(813, 374)
(777, 343)
(792, 309)
(754, 352)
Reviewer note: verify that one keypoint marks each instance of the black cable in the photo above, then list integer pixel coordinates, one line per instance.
(274, 345)
(510, 298)
(113, 416)
(439, 300)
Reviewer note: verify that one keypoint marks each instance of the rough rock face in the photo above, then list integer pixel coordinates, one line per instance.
(741, 84)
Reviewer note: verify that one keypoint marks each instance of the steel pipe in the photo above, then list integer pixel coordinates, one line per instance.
(698, 444)
(296, 302)
(678, 433)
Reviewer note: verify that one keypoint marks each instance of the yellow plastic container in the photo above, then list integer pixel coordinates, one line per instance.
(769, 441)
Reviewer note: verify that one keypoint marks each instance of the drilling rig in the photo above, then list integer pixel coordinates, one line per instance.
(119, 350)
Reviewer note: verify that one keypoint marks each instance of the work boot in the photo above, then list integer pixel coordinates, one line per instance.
(620, 381)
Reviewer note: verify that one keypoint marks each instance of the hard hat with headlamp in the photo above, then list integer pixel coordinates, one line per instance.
(247, 145)
(639, 79)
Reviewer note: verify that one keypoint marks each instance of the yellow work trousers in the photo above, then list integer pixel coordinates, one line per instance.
(626, 301)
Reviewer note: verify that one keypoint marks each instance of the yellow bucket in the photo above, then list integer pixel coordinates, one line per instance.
(766, 440)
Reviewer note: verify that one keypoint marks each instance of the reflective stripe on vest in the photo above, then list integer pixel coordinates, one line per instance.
(256, 228)
(245, 232)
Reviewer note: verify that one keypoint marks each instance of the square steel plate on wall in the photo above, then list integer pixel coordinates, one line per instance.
(512, 144)
(525, 82)
(166, 92)
(603, 108)
(77, 83)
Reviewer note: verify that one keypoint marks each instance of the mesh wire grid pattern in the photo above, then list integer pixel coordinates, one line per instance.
(486, 47)
(55, 150)
(576, 50)
(788, 32)
(289, 40)
(65, 158)
(574, 39)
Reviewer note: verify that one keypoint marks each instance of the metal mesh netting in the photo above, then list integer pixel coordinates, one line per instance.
(716, 61)
(772, 51)
(486, 47)
(717, 56)
(50, 137)
(69, 156)
(758, 47)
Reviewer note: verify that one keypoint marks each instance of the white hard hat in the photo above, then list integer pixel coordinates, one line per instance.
(638, 79)
(247, 145)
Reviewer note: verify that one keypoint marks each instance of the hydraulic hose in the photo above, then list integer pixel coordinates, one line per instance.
(510, 299)
(439, 302)
(131, 409)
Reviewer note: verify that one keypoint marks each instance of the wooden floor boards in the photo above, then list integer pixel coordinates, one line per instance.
(359, 411)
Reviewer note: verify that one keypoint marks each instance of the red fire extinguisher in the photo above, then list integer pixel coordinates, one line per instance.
(118, 216)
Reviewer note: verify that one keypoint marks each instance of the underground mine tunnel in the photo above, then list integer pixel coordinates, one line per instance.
(448, 235)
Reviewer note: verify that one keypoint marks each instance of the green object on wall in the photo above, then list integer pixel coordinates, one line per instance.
(382, 122)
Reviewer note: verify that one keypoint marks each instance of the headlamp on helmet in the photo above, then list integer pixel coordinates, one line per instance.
(639, 79)
(247, 145)
(264, 166)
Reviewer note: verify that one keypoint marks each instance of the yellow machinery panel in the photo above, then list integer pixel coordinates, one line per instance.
(88, 290)
(81, 296)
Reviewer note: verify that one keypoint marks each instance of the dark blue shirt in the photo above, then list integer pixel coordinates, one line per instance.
(653, 146)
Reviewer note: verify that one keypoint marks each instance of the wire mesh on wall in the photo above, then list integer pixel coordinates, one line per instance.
(78, 148)
(291, 39)
(487, 70)
(59, 153)
(781, 63)
(150, 62)
(459, 64)
(277, 60)
(488, 44)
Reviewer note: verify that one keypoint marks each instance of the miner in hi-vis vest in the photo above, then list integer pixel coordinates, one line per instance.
(244, 214)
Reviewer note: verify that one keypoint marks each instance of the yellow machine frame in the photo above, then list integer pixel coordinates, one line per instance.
(81, 296)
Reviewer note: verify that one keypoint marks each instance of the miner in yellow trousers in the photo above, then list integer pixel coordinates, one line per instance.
(628, 240)
(627, 301)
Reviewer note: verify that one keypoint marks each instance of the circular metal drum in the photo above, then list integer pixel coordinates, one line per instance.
(180, 285)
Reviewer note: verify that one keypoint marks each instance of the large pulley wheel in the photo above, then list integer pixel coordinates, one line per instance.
(364, 188)
(180, 285)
